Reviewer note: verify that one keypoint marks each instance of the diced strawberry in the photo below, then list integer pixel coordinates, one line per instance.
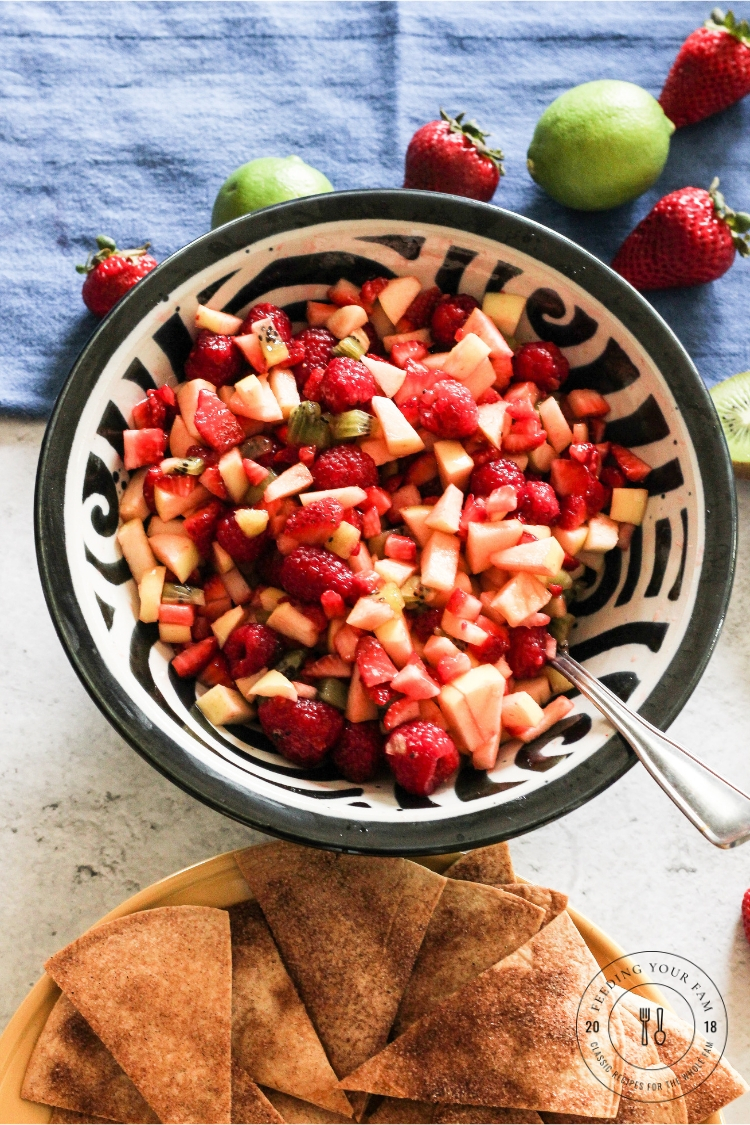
(524, 436)
(212, 479)
(379, 499)
(597, 429)
(422, 470)
(408, 349)
(345, 643)
(375, 666)
(496, 645)
(316, 523)
(633, 467)
(307, 454)
(143, 447)
(216, 671)
(194, 658)
(201, 628)
(588, 404)
(568, 478)
(597, 496)
(158, 408)
(414, 681)
(371, 524)
(402, 711)
(488, 397)
(474, 511)
(573, 512)
(177, 615)
(329, 665)
(216, 424)
(528, 393)
(371, 290)
(333, 604)
(254, 472)
(202, 525)
(612, 477)
(464, 605)
(401, 548)
(449, 667)
(625, 536)
(366, 582)
(313, 613)
(586, 453)
(570, 562)
(381, 695)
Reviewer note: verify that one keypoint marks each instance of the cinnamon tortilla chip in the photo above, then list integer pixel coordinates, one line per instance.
(400, 1111)
(72, 1117)
(507, 1039)
(296, 1112)
(272, 1036)
(484, 865)
(250, 1106)
(156, 987)
(473, 926)
(551, 902)
(349, 929)
(72, 1069)
(396, 1111)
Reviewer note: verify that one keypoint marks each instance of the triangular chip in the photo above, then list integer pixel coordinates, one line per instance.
(272, 1036)
(349, 929)
(508, 1038)
(396, 1111)
(551, 902)
(250, 1106)
(484, 865)
(400, 1111)
(156, 987)
(73, 1117)
(296, 1112)
(472, 927)
(71, 1068)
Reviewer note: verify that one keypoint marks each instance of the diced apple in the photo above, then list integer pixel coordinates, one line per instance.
(465, 357)
(388, 377)
(342, 638)
(284, 387)
(223, 561)
(317, 313)
(177, 552)
(172, 634)
(538, 530)
(292, 481)
(446, 515)
(461, 722)
(223, 706)
(520, 712)
(483, 688)
(481, 379)
(369, 613)
(628, 505)
(603, 534)
(132, 504)
(416, 520)
(136, 548)
(361, 563)
(233, 474)
(270, 597)
(542, 457)
(571, 541)
(271, 411)
(291, 623)
(462, 629)
(149, 593)
(236, 586)
(359, 707)
(521, 596)
(395, 638)
(272, 684)
(486, 539)
(227, 623)
(344, 540)
(553, 713)
(380, 322)
(493, 578)
(594, 560)
(158, 526)
(434, 361)
(346, 320)
(251, 521)
(504, 310)
(348, 497)
(436, 648)
(440, 561)
(492, 421)
(545, 556)
(587, 403)
(454, 463)
(187, 400)
(378, 450)
(556, 680)
(482, 326)
(250, 347)
(538, 688)
(169, 505)
(397, 296)
(400, 436)
(180, 439)
(418, 336)
(394, 571)
(214, 321)
(245, 684)
(559, 433)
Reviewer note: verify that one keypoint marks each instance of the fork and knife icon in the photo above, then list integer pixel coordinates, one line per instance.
(659, 1036)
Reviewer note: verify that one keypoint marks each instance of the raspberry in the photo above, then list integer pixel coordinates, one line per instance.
(539, 504)
(494, 474)
(541, 363)
(421, 756)
(215, 358)
(359, 752)
(232, 538)
(419, 312)
(423, 625)
(311, 389)
(317, 343)
(527, 654)
(381, 694)
(493, 648)
(201, 526)
(347, 383)
(303, 731)
(746, 914)
(309, 571)
(447, 410)
(343, 466)
(451, 313)
(249, 648)
(281, 321)
(410, 409)
(315, 523)
(157, 410)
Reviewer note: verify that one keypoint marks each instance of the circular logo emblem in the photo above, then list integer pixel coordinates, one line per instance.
(651, 1026)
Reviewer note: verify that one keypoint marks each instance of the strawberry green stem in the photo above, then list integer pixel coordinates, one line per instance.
(720, 22)
(473, 133)
(108, 247)
(737, 221)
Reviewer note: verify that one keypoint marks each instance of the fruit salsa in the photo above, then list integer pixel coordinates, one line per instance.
(365, 535)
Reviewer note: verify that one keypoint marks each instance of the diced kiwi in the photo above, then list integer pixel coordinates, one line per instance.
(307, 426)
(560, 627)
(333, 691)
(350, 424)
(291, 661)
(732, 401)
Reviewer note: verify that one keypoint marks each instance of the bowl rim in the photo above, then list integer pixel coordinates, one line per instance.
(476, 827)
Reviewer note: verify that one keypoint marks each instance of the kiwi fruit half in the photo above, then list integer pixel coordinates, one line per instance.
(732, 401)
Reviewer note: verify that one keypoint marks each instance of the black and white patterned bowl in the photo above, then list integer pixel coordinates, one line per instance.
(646, 627)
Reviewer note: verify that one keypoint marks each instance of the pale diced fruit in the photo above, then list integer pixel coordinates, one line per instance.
(233, 474)
(494, 579)
(393, 571)
(454, 463)
(481, 379)
(291, 623)
(603, 534)
(187, 400)
(542, 457)
(539, 689)
(435, 361)
(251, 521)
(158, 526)
(556, 680)
(227, 623)
(292, 481)
(250, 391)
(380, 322)
(149, 592)
(361, 563)
(559, 433)
(223, 706)
(397, 296)
(236, 586)
(400, 436)
(545, 556)
(446, 515)
(492, 421)
(223, 561)
(520, 711)
(273, 683)
(169, 505)
(275, 351)
(418, 335)
(538, 530)
(594, 560)
(395, 638)
(504, 310)
(132, 504)
(348, 497)
(369, 613)
(628, 505)
(440, 561)
(180, 439)
(359, 707)
(483, 688)
(137, 549)
(378, 450)
(465, 357)
(483, 327)
(553, 713)
(486, 539)
(251, 348)
(346, 320)
(220, 322)
(271, 411)
(416, 520)
(521, 596)
(461, 722)
(388, 377)
(284, 388)
(270, 598)
(344, 540)
(172, 634)
(462, 629)
(571, 541)
(436, 648)
(317, 313)
(245, 684)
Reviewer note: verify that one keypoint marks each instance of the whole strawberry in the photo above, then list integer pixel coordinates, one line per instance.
(110, 273)
(688, 238)
(711, 71)
(450, 156)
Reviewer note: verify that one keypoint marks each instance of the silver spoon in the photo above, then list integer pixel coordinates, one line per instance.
(717, 808)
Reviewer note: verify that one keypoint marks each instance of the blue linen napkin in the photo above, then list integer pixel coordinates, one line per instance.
(125, 118)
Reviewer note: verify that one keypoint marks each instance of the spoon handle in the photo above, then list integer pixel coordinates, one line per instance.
(718, 809)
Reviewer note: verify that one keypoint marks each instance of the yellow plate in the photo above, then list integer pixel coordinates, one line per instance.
(216, 882)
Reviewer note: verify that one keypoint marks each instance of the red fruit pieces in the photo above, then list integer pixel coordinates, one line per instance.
(216, 672)
(249, 648)
(264, 311)
(486, 478)
(407, 350)
(422, 756)
(193, 659)
(527, 652)
(569, 478)
(302, 731)
(586, 403)
(375, 666)
(343, 466)
(201, 526)
(110, 273)
(371, 290)
(308, 572)
(539, 504)
(401, 548)
(216, 424)
(359, 753)
(448, 410)
(317, 344)
(449, 667)
(157, 409)
(450, 314)
(232, 538)
(711, 71)
(632, 467)
(419, 312)
(315, 523)
(347, 383)
(450, 155)
(215, 358)
(542, 363)
(573, 512)
(746, 914)
(496, 645)
(333, 604)
(143, 447)
(423, 625)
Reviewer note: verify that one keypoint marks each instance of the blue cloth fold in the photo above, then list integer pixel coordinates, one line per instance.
(125, 118)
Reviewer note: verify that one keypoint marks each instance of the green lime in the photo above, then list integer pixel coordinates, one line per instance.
(732, 401)
(263, 182)
(599, 145)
